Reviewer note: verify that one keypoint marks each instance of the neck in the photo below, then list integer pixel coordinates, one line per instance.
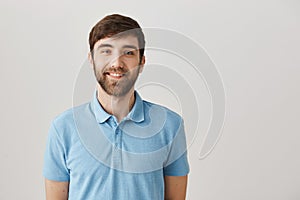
(117, 106)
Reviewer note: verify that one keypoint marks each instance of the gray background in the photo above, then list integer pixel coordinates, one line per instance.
(255, 45)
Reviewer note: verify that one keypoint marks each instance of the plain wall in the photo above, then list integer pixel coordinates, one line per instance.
(254, 44)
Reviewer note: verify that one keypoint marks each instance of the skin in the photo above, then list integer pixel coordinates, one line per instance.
(121, 56)
(116, 63)
(56, 190)
(175, 187)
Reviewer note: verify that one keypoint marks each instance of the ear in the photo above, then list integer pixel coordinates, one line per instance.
(90, 58)
(142, 64)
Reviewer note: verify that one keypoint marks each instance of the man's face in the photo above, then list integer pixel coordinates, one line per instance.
(117, 64)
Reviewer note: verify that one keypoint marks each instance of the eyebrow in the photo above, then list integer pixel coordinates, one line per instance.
(111, 46)
(104, 45)
(130, 47)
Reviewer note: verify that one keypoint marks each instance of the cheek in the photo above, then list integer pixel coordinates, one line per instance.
(100, 64)
(101, 59)
(132, 63)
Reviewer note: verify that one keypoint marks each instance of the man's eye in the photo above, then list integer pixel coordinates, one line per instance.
(105, 51)
(128, 53)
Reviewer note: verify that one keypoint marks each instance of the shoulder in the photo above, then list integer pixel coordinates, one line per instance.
(172, 119)
(64, 123)
(170, 113)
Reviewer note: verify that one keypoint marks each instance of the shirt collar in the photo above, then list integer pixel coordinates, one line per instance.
(100, 114)
(136, 114)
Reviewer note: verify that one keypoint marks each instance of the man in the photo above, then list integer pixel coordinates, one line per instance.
(117, 146)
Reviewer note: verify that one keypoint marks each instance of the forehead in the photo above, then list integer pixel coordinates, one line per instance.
(118, 42)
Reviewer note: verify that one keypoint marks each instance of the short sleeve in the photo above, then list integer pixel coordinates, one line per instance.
(177, 162)
(55, 159)
(180, 167)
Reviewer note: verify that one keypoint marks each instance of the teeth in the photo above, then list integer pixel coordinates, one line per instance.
(114, 74)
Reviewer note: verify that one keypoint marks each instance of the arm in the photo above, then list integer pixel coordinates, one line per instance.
(56, 190)
(175, 187)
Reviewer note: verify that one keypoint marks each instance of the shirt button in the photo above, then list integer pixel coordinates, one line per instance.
(114, 121)
(117, 131)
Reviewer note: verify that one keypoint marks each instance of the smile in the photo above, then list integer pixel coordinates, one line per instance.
(115, 75)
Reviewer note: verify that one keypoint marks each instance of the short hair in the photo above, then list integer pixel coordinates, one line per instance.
(117, 24)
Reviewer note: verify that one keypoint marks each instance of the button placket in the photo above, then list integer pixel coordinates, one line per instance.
(116, 136)
(116, 151)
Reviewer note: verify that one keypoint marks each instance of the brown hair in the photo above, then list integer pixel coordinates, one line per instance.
(116, 24)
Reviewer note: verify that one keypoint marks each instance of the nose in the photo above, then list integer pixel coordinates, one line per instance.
(117, 61)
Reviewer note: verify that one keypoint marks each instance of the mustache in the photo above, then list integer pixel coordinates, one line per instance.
(119, 70)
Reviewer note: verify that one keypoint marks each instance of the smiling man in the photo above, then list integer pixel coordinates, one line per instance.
(118, 146)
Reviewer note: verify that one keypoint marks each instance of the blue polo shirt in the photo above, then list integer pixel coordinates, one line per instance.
(104, 159)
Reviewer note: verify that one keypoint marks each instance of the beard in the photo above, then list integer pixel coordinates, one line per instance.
(115, 87)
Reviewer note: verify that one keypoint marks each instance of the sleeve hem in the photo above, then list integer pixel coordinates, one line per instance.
(177, 174)
(55, 178)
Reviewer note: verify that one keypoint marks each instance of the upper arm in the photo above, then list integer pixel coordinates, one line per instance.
(177, 167)
(55, 170)
(175, 187)
(55, 157)
(56, 190)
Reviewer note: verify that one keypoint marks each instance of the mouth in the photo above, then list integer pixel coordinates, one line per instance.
(114, 75)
